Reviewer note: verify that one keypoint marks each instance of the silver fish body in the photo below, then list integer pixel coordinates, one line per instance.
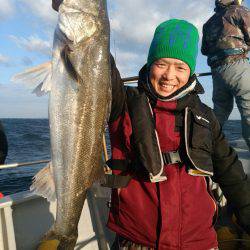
(78, 108)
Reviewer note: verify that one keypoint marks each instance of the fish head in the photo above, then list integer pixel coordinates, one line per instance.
(78, 19)
(85, 25)
(91, 6)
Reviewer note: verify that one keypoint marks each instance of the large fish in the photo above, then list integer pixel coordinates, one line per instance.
(80, 94)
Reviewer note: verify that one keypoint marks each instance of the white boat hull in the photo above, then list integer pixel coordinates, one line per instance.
(24, 218)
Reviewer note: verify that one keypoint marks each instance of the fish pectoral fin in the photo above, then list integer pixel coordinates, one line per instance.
(43, 183)
(37, 90)
(65, 56)
(45, 86)
(39, 76)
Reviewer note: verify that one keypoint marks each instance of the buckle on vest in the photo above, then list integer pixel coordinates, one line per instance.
(171, 157)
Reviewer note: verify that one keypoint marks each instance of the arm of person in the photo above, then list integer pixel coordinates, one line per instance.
(230, 175)
(116, 121)
(118, 92)
(244, 22)
(204, 42)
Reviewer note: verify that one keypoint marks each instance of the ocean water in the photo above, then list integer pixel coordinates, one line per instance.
(29, 140)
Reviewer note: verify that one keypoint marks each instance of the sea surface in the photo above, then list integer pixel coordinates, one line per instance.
(29, 140)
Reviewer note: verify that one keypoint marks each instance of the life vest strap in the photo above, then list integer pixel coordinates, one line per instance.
(117, 164)
(171, 157)
(116, 181)
(120, 181)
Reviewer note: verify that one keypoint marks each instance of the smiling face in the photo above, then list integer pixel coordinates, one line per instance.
(167, 75)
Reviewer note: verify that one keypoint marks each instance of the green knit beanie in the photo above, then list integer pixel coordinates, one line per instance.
(175, 39)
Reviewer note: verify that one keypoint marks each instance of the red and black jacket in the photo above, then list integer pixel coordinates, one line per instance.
(143, 126)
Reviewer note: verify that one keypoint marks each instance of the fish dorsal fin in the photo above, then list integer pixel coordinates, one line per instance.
(43, 183)
(40, 76)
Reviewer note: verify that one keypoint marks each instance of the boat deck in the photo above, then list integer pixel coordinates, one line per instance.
(24, 218)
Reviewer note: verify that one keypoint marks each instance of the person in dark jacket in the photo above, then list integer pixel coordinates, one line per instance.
(3, 145)
(226, 42)
(3, 148)
(166, 146)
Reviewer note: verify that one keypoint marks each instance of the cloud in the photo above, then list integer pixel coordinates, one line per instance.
(42, 9)
(127, 61)
(145, 15)
(33, 44)
(18, 102)
(141, 22)
(133, 24)
(26, 61)
(7, 9)
(5, 61)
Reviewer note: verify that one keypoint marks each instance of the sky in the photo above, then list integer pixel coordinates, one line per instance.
(26, 35)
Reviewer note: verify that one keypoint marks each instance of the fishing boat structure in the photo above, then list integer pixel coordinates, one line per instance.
(25, 218)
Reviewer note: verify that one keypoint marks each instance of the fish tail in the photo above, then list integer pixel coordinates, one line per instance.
(43, 183)
(39, 76)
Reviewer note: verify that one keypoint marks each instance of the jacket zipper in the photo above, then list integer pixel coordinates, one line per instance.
(186, 144)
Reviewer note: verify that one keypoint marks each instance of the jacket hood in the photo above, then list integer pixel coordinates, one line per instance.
(192, 87)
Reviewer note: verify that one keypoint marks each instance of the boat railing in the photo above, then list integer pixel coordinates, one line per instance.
(133, 79)
(22, 164)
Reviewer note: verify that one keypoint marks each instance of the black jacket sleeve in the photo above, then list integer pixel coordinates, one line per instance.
(230, 175)
(118, 92)
(204, 42)
(244, 23)
(3, 145)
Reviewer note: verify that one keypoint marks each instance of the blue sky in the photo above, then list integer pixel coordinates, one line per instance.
(26, 34)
